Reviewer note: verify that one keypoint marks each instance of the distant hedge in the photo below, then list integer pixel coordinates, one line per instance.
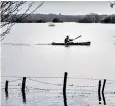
(42, 18)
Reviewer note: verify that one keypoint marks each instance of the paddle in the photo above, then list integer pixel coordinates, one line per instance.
(76, 38)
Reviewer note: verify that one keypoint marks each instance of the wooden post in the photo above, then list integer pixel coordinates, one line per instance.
(103, 92)
(6, 86)
(99, 91)
(23, 89)
(6, 89)
(23, 83)
(64, 89)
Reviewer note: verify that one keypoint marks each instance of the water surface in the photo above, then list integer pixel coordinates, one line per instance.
(94, 61)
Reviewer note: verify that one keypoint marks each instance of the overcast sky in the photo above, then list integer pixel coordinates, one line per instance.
(75, 7)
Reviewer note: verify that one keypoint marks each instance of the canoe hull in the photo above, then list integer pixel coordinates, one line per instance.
(78, 43)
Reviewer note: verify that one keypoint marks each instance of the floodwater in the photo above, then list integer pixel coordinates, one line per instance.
(44, 65)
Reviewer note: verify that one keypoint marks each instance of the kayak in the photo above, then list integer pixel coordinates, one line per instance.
(71, 43)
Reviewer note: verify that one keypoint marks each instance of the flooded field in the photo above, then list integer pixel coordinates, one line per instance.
(44, 65)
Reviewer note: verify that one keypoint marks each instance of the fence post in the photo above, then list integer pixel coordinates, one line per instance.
(6, 89)
(64, 89)
(6, 86)
(103, 92)
(23, 89)
(99, 91)
(23, 83)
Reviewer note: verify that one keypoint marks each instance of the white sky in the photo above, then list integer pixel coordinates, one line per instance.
(74, 7)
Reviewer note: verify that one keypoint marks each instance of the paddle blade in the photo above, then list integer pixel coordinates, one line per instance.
(78, 37)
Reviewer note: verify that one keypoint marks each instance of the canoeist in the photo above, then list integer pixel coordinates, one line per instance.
(67, 40)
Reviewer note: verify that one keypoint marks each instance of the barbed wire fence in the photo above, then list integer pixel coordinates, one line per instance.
(75, 88)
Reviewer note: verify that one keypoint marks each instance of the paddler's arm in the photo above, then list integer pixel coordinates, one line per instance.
(71, 39)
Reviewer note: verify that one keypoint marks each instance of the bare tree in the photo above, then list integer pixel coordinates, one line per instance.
(10, 9)
(112, 4)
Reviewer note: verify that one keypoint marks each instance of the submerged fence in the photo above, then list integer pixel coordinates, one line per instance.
(102, 89)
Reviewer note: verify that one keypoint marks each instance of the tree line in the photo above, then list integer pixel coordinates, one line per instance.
(43, 18)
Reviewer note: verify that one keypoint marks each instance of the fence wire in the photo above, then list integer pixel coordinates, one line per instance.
(74, 90)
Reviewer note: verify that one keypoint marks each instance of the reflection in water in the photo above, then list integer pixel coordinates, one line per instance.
(67, 46)
(6, 93)
(24, 96)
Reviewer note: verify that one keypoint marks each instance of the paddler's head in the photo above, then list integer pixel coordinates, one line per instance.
(67, 36)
